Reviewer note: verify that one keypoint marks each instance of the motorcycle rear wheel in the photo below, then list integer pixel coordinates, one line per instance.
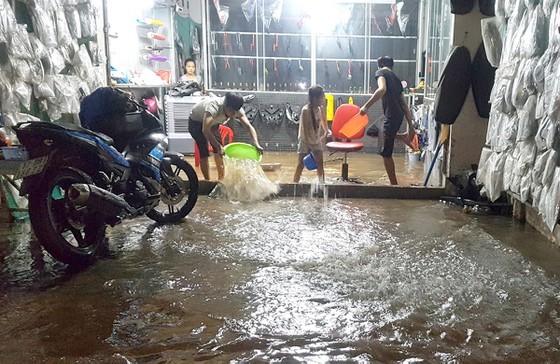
(70, 235)
(179, 192)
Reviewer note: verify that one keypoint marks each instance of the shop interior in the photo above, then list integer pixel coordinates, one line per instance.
(274, 51)
(54, 53)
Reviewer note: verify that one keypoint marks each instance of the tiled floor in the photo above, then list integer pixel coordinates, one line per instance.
(366, 167)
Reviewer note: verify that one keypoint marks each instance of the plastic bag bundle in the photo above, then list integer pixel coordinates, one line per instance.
(7, 20)
(97, 56)
(498, 96)
(538, 168)
(21, 69)
(69, 51)
(504, 132)
(515, 8)
(508, 171)
(70, 3)
(39, 49)
(481, 171)
(492, 39)
(42, 90)
(56, 61)
(499, 8)
(524, 154)
(98, 79)
(528, 82)
(83, 67)
(553, 35)
(23, 91)
(539, 70)
(494, 128)
(534, 40)
(548, 6)
(516, 27)
(552, 93)
(494, 182)
(52, 108)
(63, 33)
(552, 202)
(518, 92)
(549, 168)
(44, 25)
(37, 70)
(546, 134)
(508, 136)
(531, 4)
(73, 21)
(87, 19)
(536, 192)
(527, 122)
(65, 93)
(7, 97)
(19, 43)
(525, 187)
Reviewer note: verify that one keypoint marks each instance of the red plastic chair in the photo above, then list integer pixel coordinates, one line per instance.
(227, 137)
(343, 114)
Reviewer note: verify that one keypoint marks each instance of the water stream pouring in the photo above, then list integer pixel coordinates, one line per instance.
(244, 179)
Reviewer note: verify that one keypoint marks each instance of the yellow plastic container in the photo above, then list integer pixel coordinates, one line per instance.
(330, 106)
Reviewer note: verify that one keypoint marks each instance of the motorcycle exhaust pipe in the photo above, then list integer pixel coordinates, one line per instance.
(98, 199)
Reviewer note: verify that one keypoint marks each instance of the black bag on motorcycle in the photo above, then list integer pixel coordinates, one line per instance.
(116, 114)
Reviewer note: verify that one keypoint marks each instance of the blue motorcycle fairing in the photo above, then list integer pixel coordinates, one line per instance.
(153, 161)
(109, 150)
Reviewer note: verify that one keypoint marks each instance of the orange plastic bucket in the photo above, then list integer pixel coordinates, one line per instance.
(354, 125)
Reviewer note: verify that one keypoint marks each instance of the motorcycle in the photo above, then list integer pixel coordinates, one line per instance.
(81, 179)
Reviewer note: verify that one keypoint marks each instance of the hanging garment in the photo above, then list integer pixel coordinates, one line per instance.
(482, 82)
(186, 47)
(461, 7)
(487, 7)
(453, 85)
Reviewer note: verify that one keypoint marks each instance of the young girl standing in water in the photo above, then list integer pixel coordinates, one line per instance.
(313, 130)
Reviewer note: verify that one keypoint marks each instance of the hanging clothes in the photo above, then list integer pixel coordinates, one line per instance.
(187, 41)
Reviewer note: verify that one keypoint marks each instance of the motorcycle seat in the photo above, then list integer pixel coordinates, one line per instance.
(107, 139)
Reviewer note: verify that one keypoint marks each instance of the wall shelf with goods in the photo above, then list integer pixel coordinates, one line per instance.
(289, 45)
(141, 45)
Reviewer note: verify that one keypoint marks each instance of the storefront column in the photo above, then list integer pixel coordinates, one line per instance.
(468, 133)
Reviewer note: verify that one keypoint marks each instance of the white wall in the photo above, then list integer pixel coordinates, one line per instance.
(468, 133)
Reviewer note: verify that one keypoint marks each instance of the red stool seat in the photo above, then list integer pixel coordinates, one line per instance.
(227, 137)
(345, 146)
(343, 114)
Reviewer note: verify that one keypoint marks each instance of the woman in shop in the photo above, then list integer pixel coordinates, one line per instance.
(190, 72)
(204, 121)
(313, 130)
(190, 83)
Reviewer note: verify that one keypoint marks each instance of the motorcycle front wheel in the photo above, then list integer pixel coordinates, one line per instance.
(72, 236)
(179, 192)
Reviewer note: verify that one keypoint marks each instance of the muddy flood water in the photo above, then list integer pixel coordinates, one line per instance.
(290, 280)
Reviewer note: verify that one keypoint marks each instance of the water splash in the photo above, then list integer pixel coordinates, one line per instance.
(245, 181)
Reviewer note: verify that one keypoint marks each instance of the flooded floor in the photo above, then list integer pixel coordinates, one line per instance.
(366, 168)
(290, 280)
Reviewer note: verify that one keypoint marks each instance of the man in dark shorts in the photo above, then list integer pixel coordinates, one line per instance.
(206, 116)
(389, 89)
